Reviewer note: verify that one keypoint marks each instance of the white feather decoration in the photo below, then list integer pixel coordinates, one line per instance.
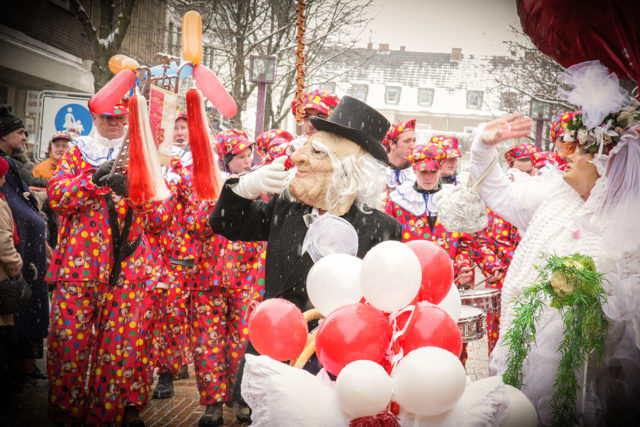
(596, 91)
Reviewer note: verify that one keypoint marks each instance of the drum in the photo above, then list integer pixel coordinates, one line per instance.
(471, 323)
(486, 299)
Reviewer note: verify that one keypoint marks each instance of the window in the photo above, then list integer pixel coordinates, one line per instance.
(425, 97)
(392, 95)
(470, 130)
(474, 99)
(359, 91)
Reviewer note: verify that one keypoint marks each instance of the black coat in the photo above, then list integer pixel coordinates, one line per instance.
(33, 321)
(280, 222)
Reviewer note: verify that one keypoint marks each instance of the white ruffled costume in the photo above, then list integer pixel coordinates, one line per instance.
(555, 219)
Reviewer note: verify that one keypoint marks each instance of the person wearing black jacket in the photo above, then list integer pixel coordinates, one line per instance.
(340, 173)
(33, 321)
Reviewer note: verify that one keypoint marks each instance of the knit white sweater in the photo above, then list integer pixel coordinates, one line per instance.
(556, 220)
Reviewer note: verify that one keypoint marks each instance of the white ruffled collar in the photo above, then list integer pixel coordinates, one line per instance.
(97, 149)
(407, 197)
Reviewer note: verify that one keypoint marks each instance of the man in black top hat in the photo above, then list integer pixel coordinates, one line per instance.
(340, 171)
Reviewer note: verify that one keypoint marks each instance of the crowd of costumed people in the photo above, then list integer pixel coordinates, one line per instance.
(330, 278)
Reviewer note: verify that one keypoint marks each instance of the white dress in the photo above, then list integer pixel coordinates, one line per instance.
(555, 219)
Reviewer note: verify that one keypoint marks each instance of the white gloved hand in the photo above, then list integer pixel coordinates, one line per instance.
(271, 178)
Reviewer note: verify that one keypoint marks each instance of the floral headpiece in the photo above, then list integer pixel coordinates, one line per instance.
(550, 158)
(428, 157)
(232, 142)
(607, 108)
(320, 100)
(521, 151)
(270, 138)
(449, 143)
(560, 122)
(120, 109)
(607, 134)
(396, 129)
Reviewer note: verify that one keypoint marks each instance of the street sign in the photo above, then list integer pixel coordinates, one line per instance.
(59, 111)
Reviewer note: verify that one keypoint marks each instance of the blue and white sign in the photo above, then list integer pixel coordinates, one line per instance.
(74, 118)
(59, 111)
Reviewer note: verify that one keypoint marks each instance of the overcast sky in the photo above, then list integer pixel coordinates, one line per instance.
(476, 26)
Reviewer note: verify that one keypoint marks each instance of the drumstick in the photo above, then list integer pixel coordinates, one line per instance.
(487, 278)
(474, 265)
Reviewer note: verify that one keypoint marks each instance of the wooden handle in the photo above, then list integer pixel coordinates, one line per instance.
(308, 351)
(312, 314)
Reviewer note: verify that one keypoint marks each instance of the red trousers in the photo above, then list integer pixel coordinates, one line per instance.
(218, 335)
(92, 320)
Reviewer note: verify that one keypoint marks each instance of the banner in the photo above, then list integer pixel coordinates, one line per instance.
(162, 115)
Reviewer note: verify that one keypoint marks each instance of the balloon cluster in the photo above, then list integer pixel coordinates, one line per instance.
(127, 71)
(390, 330)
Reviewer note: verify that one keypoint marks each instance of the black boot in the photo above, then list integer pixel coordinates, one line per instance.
(242, 412)
(132, 417)
(212, 416)
(183, 372)
(164, 388)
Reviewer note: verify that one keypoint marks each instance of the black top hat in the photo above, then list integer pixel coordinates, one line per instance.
(358, 122)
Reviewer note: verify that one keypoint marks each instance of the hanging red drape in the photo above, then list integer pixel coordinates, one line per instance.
(572, 31)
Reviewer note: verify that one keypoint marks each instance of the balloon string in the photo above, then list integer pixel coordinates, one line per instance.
(300, 59)
(395, 352)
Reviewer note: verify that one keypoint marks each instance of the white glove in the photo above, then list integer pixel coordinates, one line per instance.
(271, 178)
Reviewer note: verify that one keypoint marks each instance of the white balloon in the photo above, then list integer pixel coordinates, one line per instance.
(451, 303)
(334, 281)
(428, 381)
(363, 388)
(391, 276)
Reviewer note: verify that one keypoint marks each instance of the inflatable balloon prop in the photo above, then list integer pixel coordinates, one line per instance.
(352, 332)
(112, 92)
(277, 329)
(452, 303)
(121, 62)
(437, 270)
(390, 277)
(428, 381)
(363, 389)
(211, 87)
(192, 37)
(432, 327)
(334, 281)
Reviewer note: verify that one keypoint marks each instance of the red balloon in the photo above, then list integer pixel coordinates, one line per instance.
(277, 329)
(208, 83)
(112, 92)
(432, 327)
(437, 270)
(352, 332)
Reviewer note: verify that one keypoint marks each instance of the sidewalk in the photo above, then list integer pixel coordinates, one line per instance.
(29, 408)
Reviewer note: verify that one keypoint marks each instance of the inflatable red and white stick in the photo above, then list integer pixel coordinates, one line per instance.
(112, 92)
(145, 176)
(207, 179)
